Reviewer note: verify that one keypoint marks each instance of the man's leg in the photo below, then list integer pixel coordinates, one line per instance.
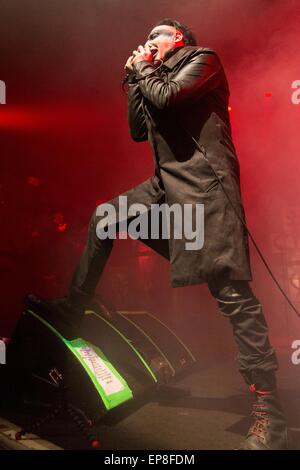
(96, 253)
(90, 266)
(257, 360)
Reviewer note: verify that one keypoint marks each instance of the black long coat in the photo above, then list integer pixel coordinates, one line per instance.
(188, 96)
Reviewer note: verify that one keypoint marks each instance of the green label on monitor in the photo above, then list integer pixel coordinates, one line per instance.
(109, 383)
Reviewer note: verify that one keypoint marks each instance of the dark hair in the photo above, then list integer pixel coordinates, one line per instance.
(189, 37)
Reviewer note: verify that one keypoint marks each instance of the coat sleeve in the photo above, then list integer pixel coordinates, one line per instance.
(136, 118)
(196, 78)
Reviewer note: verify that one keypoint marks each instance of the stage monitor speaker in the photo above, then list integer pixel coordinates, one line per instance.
(118, 356)
(38, 355)
(164, 352)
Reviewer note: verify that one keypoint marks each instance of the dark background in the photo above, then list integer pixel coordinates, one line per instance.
(65, 147)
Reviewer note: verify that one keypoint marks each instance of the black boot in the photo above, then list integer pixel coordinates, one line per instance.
(269, 430)
(64, 315)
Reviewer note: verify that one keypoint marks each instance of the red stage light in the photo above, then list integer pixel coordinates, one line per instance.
(61, 227)
(60, 117)
(268, 94)
(229, 108)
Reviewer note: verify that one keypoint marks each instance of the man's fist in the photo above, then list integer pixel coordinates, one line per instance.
(142, 53)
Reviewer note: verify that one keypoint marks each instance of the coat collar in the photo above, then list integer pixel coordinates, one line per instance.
(176, 55)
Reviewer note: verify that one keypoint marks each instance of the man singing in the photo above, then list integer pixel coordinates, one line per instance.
(178, 101)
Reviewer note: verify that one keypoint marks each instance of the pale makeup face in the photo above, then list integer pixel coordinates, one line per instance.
(162, 39)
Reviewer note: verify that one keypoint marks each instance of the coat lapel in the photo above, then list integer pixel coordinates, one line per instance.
(181, 53)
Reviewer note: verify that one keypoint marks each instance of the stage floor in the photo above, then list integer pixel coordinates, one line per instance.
(215, 416)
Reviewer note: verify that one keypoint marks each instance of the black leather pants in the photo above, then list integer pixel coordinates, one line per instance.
(91, 265)
(256, 358)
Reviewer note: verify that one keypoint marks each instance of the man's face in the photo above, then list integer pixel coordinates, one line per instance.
(162, 39)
